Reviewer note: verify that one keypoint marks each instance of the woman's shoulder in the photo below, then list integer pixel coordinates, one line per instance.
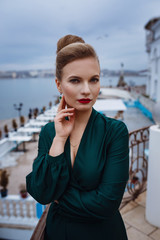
(111, 124)
(48, 126)
(48, 130)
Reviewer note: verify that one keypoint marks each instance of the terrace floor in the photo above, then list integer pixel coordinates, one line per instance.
(137, 226)
(133, 118)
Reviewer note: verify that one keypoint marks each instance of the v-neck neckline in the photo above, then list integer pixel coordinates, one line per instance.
(83, 135)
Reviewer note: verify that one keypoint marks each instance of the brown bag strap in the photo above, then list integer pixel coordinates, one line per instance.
(39, 230)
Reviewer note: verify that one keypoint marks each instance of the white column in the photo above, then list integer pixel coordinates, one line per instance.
(153, 188)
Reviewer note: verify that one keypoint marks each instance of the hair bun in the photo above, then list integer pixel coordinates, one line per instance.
(66, 40)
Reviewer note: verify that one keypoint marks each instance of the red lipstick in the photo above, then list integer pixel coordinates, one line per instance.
(84, 100)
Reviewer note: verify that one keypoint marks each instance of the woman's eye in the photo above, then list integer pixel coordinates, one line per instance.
(95, 80)
(74, 80)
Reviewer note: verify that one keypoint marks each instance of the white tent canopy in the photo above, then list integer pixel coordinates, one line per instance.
(109, 105)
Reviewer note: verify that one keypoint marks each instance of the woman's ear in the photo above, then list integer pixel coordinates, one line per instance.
(58, 83)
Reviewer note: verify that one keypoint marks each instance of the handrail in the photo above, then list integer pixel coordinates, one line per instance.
(138, 144)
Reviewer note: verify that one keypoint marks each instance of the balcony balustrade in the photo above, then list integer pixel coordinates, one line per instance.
(17, 211)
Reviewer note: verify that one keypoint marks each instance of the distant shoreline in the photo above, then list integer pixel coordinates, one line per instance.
(40, 77)
(49, 73)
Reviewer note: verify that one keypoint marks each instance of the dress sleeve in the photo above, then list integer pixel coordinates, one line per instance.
(105, 200)
(50, 175)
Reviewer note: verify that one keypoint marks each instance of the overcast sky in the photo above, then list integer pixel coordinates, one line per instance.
(29, 30)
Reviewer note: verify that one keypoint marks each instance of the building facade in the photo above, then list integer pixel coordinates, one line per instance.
(153, 49)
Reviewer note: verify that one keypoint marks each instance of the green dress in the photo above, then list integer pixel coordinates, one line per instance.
(90, 193)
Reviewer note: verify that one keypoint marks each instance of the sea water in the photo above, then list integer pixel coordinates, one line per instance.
(38, 92)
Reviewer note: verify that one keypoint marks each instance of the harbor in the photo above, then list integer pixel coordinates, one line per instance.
(127, 69)
(19, 147)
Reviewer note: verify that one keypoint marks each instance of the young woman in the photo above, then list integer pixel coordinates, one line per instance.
(82, 163)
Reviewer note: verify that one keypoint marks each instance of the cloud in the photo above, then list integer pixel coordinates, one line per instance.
(30, 30)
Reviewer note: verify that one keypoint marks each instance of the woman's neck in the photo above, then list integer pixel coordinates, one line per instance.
(82, 117)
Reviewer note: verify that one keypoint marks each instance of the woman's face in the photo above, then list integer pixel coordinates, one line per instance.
(80, 83)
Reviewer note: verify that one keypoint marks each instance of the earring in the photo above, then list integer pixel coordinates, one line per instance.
(60, 97)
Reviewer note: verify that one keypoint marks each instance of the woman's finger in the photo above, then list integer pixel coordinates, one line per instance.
(72, 118)
(61, 104)
(63, 115)
(66, 110)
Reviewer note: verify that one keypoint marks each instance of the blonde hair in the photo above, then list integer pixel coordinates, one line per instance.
(69, 49)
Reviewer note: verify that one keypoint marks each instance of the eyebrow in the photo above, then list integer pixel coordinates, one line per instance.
(78, 77)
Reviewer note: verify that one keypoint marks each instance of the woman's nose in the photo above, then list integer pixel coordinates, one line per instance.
(85, 89)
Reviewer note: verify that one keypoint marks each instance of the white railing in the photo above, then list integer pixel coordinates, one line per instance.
(6, 146)
(17, 211)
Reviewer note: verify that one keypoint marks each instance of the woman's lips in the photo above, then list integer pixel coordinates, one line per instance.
(84, 100)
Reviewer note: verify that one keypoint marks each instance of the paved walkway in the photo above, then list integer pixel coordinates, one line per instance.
(137, 226)
(23, 166)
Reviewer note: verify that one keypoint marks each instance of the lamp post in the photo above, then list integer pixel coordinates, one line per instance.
(18, 108)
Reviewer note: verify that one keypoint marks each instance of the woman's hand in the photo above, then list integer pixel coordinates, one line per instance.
(64, 127)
